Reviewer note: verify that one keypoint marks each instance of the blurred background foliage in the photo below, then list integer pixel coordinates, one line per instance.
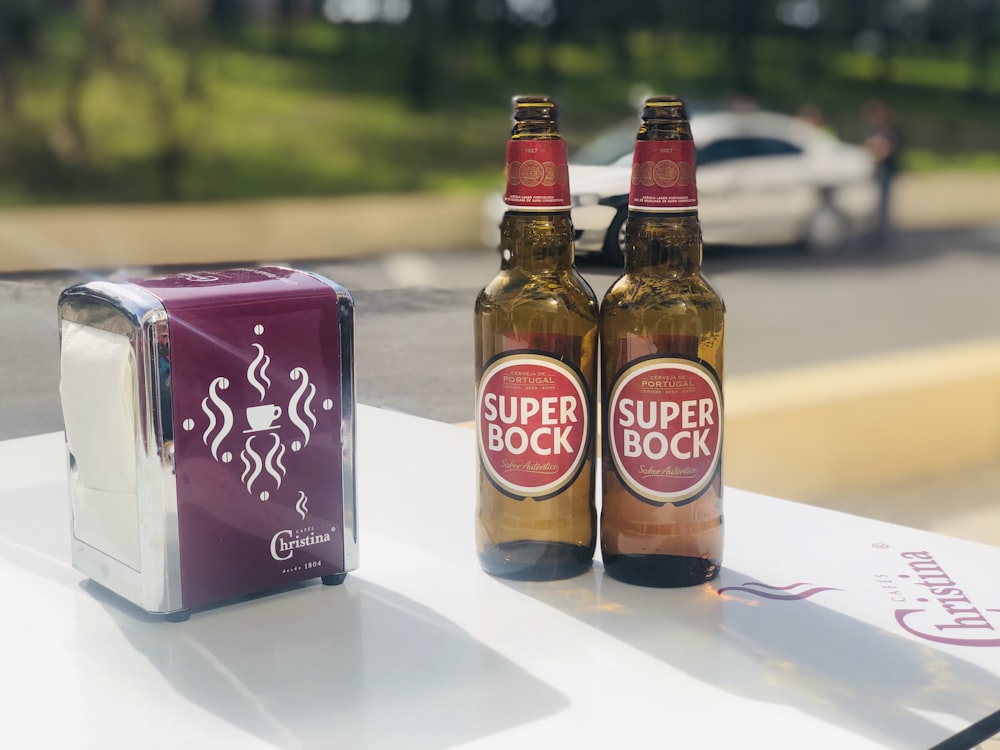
(165, 100)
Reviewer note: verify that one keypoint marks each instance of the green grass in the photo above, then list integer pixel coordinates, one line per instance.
(335, 116)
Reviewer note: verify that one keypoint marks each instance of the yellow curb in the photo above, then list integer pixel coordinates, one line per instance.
(866, 423)
(113, 237)
(120, 236)
(946, 200)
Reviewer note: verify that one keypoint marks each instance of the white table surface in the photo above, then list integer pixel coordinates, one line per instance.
(420, 649)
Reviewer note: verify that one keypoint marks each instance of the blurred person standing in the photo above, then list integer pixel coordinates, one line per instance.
(813, 115)
(882, 142)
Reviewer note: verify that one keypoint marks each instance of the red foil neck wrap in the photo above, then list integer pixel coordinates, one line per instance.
(537, 175)
(663, 176)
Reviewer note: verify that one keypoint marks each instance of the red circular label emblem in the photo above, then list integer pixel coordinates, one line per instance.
(531, 173)
(666, 173)
(665, 429)
(532, 424)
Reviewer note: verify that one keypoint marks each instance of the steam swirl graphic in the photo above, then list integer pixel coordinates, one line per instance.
(771, 592)
(272, 464)
(254, 465)
(252, 471)
(300, 505)
(225, 412)
(295, 406)
(257, 371)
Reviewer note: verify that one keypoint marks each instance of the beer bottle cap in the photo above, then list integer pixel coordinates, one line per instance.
(664, 107)
(534, 108)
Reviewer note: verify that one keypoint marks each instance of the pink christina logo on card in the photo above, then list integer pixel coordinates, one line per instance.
(928, 602)
(937, 607)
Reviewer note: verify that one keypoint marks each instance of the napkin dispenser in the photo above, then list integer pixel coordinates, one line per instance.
(210, 434)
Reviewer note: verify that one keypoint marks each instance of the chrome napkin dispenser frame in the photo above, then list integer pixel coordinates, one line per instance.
(210, 434)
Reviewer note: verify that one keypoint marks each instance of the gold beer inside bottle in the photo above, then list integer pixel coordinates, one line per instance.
(538, 304)
(660, 307)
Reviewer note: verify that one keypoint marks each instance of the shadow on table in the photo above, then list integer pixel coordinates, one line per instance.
(352, 666)
(796, 653)
(355, 665)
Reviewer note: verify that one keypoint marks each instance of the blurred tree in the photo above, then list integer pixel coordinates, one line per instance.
(943, 22)
(69, 139)
(983, 17)
(801, 21)
(183, 22)
(505, 33)
(20, 22)
(890, 24)
(422, 71)
(446, 34)
(741, 32)
(555, 28)
(857, 15)
(460, 25)
(618, 21)
(283, 26)
(122, 85)
(226, 15)
(126, 39)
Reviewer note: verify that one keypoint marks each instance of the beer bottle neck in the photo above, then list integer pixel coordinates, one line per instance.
(537, 241)
(534, 118)
(662, 243)
(534, 130)
(664, 130)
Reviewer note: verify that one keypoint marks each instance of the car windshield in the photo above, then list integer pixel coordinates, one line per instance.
(608, 147)
(618, 141)
(745, 147)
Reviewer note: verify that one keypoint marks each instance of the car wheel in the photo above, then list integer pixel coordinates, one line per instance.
(827, 232)
(613, 251)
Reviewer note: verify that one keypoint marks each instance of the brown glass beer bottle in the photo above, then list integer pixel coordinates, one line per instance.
(661, 328)
(536, 372)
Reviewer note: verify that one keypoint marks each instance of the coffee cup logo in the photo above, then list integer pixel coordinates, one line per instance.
(266, 441)
(262, 417)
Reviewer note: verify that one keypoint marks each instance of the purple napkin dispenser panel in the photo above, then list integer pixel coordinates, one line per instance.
(238, 412)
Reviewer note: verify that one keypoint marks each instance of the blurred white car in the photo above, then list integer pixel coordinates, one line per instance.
(763, 179)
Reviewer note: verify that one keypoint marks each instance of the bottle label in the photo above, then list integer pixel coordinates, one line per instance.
(665, 428)
(532, 424)
(663, 176)
(537, 175)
